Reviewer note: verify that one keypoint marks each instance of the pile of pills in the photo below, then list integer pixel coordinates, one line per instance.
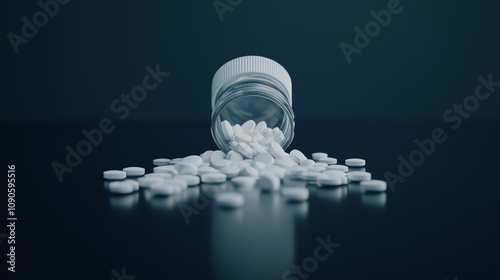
(256, 158)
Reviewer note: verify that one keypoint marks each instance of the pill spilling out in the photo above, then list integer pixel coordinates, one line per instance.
(256, 159)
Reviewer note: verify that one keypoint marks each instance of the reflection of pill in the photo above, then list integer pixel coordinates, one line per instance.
(295, 194)
(134, 183)
(355, 162)
(359, 176)
(134, 171)
(213, 178)
(230, 200)
(374, 186)
(167, 187)
(114, 175)
(160, 161)
(268, 181)
(121, 187)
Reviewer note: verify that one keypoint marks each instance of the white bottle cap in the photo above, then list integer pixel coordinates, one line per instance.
(251, 64)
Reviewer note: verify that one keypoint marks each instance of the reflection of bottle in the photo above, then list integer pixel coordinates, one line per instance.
(255, 242)
(252, 88)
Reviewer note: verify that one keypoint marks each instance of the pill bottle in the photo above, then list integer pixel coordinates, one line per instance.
(252, 88)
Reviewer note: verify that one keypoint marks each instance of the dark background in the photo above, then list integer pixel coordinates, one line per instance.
(91, 52)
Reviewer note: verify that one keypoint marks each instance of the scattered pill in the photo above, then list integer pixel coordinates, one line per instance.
(134, 171)
(318, 156)
(211, 178)
(339, 167)
(186, 168)
(328, 160)
(145, 182)
(244, 182)
(268, 181)
(355, 162)
(329, 181)
(230, 171)
(248, 126)
(359, 176)
(191, 180)
(160, 161)
(121, 187)
(160, 175)
(114, 175)
(194, 160)
(295, 194)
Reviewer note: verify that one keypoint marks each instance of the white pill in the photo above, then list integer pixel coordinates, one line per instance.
(318, 156)
(194, 160)
(219, 163)
(315, 169)
(145, 182)
(206, 156)
(213, 178)
(307, 162)
(230, 171)
(186, 168)
(258, 165)
(359, 176)
(257, 148)
(268, 181)
(121, 187)
(217, 155)
(374, 186)
(276, 150)
(234, 156)
(310, 175)
(248, 126)
(168, 187)
(241, 164)
(328, 160)
(206, 169)
(285, 162)
(205, 164)
(296, 170)
(295, 194)
(265, 158)
(134, 171)
(257, 138)
(169, 169)
(266, 131)
(230, 200)
(279, 137)
(161, 161)
(191, 180)
(175, 161)
(260, 126)
(266, 141)
(227, 130)
(114, 175)
(245, 150)
(297, 156)
(249, 171)
(242, 137)
(237, 129)
(159, 175)
(355, 162)
(330, 180)
(320, 164)
(338, 167)
(334, 173)
(245, 182)
(276, 170)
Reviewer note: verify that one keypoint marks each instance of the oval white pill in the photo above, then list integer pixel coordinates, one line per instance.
(160, 161)
(295, 194)
(297, 156)
(206, 156)
(318, 156)
(242, 137)
(213, 178)
(310, 175)
(359, 176)
(204, 170)
(285, 162)
(219, 163)
(191, 180)
(355, 162)
(248, 126)
(186, 168)
(276, 150)
(160, 175)
(258, 165)
(227, 130)
(121, 187)
(249, 171)
(229, 200)
(169, 169)
(307, 162)
(374, 186)
(217, 155)
(276, 170)
(245, 150)
(145, 182)
(329, 181)
(334, 173)
(260, 126)
(245, 182)
(134, 171)
(114, 175)
(265, 158)
(268, 181)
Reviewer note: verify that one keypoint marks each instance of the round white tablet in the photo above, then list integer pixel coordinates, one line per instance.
(248, 126)
(329, 181)
(265, 158)
(160, 175)
(169, 169)
(338, 167)
(194, 160)
(230, 200)
(191, 180)
(276, 150)
(355, 162)
(318, 156)
(328, 160)
(134, 171)
(114, 175)
(186, 168)
(297, 156)
(268, 181)
(219, 163)
(295, 194)
(121, 187)
(374, 186)
(230, 170)
(249, 171)
(359, 176)
(244, 181)
(145, 182)
(206, 169)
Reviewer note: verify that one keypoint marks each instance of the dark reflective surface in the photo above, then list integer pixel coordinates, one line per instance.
(440, 223)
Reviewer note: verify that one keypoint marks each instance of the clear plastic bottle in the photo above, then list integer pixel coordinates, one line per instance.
(252, 88)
